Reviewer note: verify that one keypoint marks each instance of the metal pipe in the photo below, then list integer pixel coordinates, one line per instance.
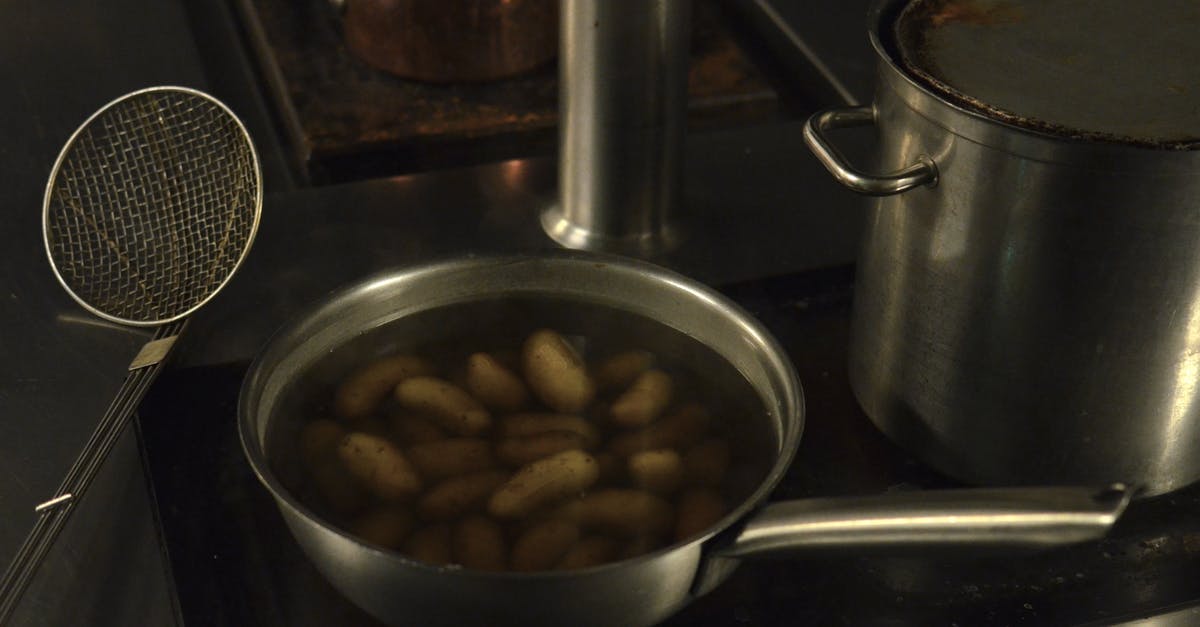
(623, 104)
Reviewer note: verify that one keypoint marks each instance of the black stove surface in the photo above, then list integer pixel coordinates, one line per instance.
(235, 563)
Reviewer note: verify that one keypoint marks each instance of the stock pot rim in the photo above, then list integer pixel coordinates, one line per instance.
(964, 121)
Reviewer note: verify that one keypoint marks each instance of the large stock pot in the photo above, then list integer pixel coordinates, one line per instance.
(1027, 307)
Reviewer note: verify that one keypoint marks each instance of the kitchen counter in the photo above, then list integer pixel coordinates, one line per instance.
(175, 532)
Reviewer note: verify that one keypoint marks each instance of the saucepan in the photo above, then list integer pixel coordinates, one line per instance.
(665, 313)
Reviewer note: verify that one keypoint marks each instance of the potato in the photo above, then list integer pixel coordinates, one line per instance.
(624, 512)
(644, 401)
(387, 526)
(543, 482)
(454, 497)
(412, 428)
(543, 545)
(318, 440)
(660, 470)
(431, 545)
(590, 551)
(452, 406)
(537, 423)
(451, 457)
(338, 489)
(639, 545)
(364, 389)
(382, 468)
(699, 509)
(707, 462)
(618, 371)
(555, 372)
(478, 544)
(679, 429)
(522, 451)
(495, 385)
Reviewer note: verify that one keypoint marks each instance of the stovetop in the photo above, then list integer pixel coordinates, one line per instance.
(234, 562)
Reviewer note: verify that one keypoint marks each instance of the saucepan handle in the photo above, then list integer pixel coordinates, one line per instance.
(923, 172)
(968, 518)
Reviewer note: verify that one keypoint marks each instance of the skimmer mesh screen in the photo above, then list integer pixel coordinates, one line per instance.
(152, 205)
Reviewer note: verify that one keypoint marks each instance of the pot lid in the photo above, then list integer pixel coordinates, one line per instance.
(1111, 70)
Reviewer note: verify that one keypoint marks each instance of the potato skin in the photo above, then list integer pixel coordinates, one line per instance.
(660, 470)
(543, 545)
(555, 372)
(699, 509)
(456, 496)
(536, 423)
(382, 468)
(679, 429)
(624, 512)
(362, 391)
(644, 401)
(451, 457)
(318, 440)
(619, 370)
(591, 551)
(411, 428)
(543, 482)
(432, 545)
(478, 543)
(454, 408)
(386, 526)
(341, 491)
(494, 384)
(526, 450)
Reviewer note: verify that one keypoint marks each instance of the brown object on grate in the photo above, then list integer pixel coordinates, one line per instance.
(453, 40)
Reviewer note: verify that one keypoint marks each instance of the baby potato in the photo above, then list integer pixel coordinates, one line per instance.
(456, 496)
(537, 423)
(522, 451)
(707, 462)
(699, 509)
(451, 457)
(494, 384)
(478, 544)
(624, 512)
(619, 370)
(660, 471)
(639, 545)
(590, 551)
(386, 526)
(337, 488)
(318, 439)
(431, 545)
(543, 482)
(644, 401)
(379, 465)
(543, 545)
(412, 428)
(679, 429)
(365, 388)
(555, 372)
(452, 406)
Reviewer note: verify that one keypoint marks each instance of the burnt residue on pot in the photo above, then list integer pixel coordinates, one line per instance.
(1090, 70)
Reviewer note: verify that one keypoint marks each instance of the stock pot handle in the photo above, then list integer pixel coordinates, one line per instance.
(923, 172)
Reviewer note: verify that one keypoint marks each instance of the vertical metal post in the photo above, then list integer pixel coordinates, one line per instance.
(623, 105)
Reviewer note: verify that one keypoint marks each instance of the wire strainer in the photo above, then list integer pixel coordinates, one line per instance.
(150, 208)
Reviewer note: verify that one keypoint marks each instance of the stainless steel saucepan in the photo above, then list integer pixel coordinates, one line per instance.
(645, 589)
